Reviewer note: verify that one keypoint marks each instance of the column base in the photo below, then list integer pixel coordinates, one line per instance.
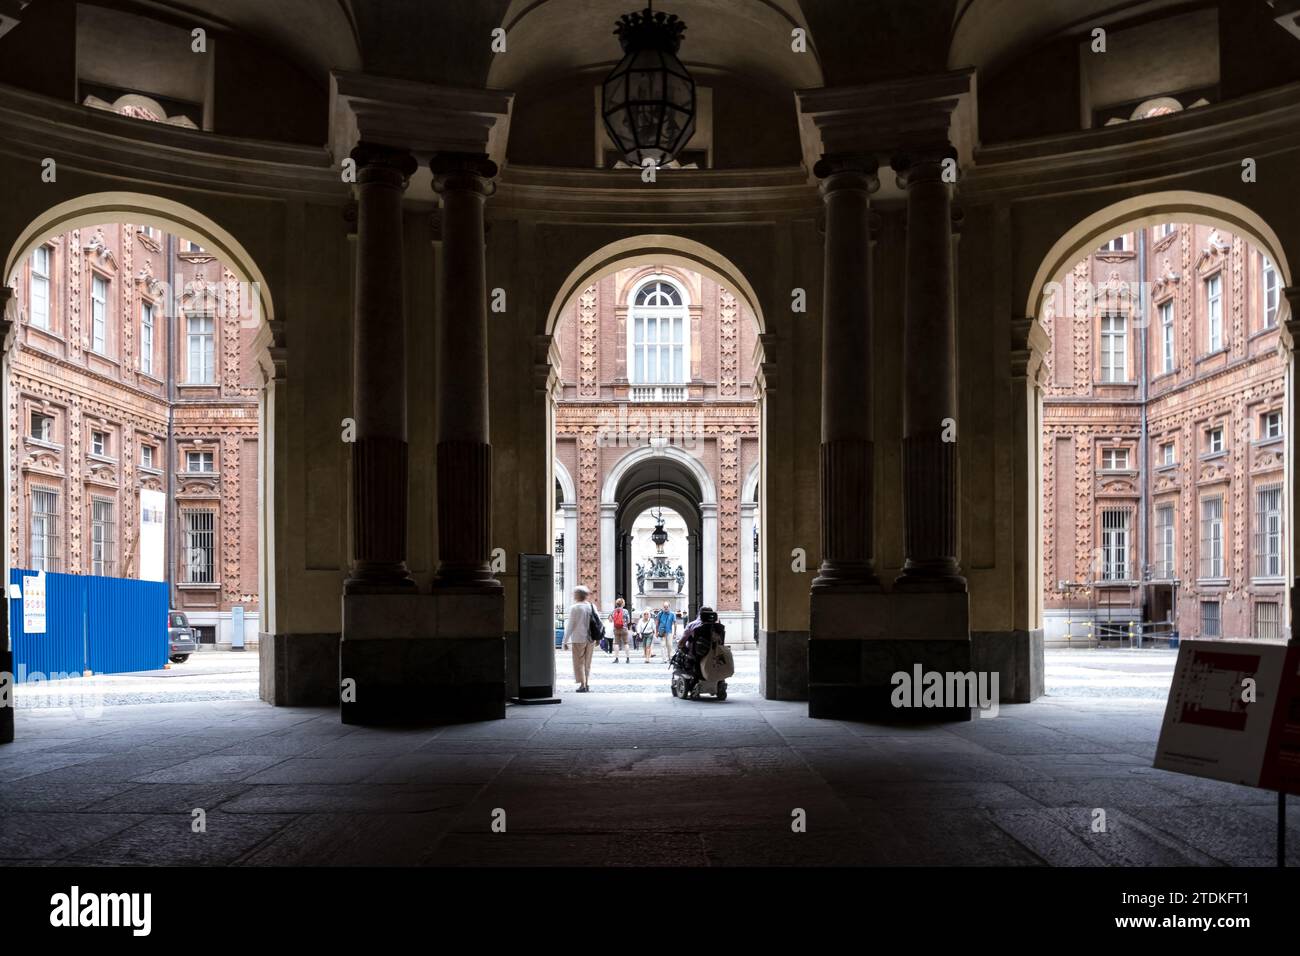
(861, 640)
(384, 579)
(851, 576)
(298, 670)
(931, 582)
(783, 665)
(412, 659)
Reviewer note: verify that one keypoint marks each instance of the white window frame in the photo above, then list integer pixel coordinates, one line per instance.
(1168, 454)
(1270, 425)
(1116, 244)
(1114, 347)
(146, 456)
(1167, 353)
(1268, 531)
(200, 341)
(202, 458)
(1214, 312)
(146, 337)
(38, 308)
(99, 443)
(1114, 459)
(639, 319)
(1270, 293)
(99, 314)
(1214, 440)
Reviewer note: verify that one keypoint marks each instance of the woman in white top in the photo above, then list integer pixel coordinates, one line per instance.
(646, 628)
(577, 636)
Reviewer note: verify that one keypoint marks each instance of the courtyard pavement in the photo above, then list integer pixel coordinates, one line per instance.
(614, 779)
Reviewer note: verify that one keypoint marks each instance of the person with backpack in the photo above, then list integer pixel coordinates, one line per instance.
(582, 633)
(621, 620)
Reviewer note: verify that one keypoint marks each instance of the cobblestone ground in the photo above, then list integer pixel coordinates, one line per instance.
(610, 675)
(1121, 673)
(208, 675)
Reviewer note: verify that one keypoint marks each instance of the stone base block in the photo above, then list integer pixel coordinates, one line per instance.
(783, 665)
(861, 638)
(298, 670)
(1017, 658)
(423, 658)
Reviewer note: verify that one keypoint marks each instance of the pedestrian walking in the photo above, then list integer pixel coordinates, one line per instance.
(621, 620)
(645, 630)
(577, 636)
(665, 624)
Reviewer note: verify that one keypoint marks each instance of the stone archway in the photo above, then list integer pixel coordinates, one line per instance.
(1029, 361)
(255, 310)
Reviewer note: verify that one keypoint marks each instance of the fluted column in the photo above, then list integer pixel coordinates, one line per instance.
(464, 181)
(847, 466)
(379, 452)
(930, 377)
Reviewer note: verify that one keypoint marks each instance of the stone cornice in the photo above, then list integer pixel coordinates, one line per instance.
(1144, 151)
(130, 150)
(421, 117)
(688, 195)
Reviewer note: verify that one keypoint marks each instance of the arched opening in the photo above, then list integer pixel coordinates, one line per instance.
(655, 410)
(1164, 453)
(138, 394)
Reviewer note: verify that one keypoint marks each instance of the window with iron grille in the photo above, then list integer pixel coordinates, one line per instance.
(1114, 545)
(39, 295)
(559, 562)
(1166, 560)
(198, 543)
(99, 314)
(1212, 537)
(1211, 619)
(1268, 532)
(202, 357)
(101, 537)
(1268, 621)
(1114, 348)
(1214, 313)
(43, 550)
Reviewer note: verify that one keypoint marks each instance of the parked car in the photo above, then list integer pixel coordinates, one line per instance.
(182, 640)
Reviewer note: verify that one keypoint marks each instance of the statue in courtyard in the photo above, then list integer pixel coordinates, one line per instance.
(640, 578)
(681, 578)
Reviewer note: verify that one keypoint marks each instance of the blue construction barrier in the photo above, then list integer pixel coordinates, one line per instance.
(104, 625)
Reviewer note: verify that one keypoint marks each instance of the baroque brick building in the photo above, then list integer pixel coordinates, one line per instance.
(1163, 439)
(656, 407)
(133, 406)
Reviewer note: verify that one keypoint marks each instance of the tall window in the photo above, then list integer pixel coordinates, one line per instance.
(1114, 545)
(1214, 313)
(146, 338)
(1166, 555)
(198, 544)
(1211, 619)
(1212, 537)
(39, 308)
(101, 537)
(1167, 336)
(1271, 293)
(659, 334)
(1270, 425)
(199, 331)
(1114, 348)
(1167, 453)
(1268, 532)
(43, 550)
(146, 456)
(99, 443)
(99, 314)
(1214, 441)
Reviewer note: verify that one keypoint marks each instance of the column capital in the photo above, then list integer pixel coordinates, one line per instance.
(468, 171)
(922, 163)
(7, 322)
(377, 163)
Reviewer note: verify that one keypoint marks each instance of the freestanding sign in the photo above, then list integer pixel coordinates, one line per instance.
(536, 630)
(34, 603)
(1234, 714)
(153, 543)
(237, 627)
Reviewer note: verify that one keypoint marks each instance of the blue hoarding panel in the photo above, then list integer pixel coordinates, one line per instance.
(106, 625)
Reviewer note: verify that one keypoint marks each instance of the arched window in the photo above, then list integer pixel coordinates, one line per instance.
(658, 319)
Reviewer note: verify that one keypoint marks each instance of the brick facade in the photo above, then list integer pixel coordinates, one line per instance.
(1163, 467)
(100, 411)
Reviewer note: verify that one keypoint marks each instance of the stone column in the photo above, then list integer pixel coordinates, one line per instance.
(6, 652)
(847, 464)
(930, 377)
(464, 181)
(379, 453)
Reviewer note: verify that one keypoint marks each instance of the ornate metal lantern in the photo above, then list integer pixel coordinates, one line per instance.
(648, 101)
(659, 536)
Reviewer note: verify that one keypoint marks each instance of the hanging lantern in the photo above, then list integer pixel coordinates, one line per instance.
(659, 536)
(648, 101)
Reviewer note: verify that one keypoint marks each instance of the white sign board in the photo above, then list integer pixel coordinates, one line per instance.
(34, 603)
(153, 510)
(1221, 718)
